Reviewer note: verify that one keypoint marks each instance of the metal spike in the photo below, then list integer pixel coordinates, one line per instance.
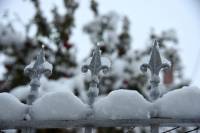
(155, 65)
(40, 59)
(34, 71)
(95, 66)
(38, 68)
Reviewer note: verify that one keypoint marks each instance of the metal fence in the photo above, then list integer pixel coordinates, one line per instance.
(36, 69)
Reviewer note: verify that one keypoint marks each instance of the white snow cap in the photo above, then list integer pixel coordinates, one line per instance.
(181, 103)
(122, 104)
(59, 106)
(46, 65)
(11, 108)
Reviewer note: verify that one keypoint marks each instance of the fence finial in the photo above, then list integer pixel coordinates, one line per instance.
(95, 65)
(35, 70)
(155, 65)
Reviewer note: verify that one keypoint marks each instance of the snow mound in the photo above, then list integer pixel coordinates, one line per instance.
(122, 104)
(181, 103)
(59, 106)
(21, 92)
(49, 86)
(11, 108)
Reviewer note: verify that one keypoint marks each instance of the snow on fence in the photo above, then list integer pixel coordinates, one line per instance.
(120, 108)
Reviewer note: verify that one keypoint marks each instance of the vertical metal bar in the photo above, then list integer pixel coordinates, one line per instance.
(154, 128)
(35, 71)
(95, 66)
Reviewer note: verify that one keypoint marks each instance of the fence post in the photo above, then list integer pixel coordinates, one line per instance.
(155, 65)
(95, 66)
(34, 71)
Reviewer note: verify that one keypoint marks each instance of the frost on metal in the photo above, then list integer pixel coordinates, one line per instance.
(95, 64)
(155, 65)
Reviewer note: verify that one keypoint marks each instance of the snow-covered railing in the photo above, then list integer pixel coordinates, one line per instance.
(120, 108)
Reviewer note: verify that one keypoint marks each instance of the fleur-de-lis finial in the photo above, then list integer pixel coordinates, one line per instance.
(155, 65)
(35, 70)
(39, 66)
(95, 64)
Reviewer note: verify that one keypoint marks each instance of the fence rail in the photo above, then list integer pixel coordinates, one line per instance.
(161, 122)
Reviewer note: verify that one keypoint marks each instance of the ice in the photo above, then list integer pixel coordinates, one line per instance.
(122, 104)
(11, 107)
(181, 103)
(59, 106)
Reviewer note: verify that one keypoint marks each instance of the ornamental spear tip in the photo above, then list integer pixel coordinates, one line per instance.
(95, 65)
(155, 65)
(40, 58)
(39, 66)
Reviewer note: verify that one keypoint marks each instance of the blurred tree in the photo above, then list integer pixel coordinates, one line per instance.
(126, 61)
(56, 33)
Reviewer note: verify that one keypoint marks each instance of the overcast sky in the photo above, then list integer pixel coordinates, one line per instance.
(181, 15)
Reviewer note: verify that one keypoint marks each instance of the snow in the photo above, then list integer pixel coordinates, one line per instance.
(45, 65)
(64, 85)
(10, 37)
(21, 92)
(105, 61)
(60, 85)
(59, 106)
(118, 67)
(119, 104)
(122, 104)
(2, 67)
(11, 107)
(181, 103)
(9, 131)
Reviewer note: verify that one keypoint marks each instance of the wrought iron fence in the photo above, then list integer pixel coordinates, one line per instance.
(95, 65)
